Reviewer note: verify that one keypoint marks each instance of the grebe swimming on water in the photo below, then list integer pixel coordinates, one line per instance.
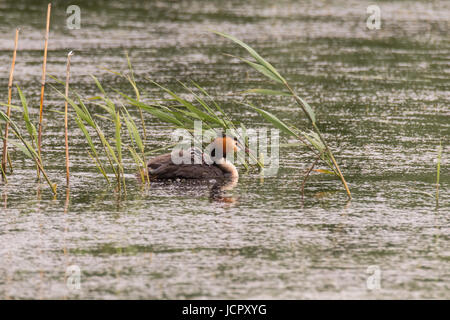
(162, 167)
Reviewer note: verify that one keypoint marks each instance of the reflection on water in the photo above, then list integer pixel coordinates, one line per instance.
(220, 191)
(381, 96)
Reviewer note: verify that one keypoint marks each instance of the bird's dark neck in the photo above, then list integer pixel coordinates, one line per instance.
(227, 167)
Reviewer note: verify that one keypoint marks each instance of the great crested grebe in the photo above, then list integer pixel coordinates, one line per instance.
(212, 166)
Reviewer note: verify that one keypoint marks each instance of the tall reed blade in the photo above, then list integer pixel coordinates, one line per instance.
(264, 67)
(8, 110)
(66, 127)
(44, 67)
(28, 149)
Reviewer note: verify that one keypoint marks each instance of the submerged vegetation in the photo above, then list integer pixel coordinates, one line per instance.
(108, 152)
(5, 156)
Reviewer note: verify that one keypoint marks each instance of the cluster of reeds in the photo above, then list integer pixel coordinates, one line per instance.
(108, 152)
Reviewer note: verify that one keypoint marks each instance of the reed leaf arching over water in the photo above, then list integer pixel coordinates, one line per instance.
(316, 141)
(28, 147)
(111, 147)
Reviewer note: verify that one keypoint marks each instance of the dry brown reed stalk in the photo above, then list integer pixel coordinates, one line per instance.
(66, 127)
(8, 111)
(66, 228)
(44, 67)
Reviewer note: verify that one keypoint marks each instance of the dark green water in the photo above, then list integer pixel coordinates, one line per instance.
(382, 100)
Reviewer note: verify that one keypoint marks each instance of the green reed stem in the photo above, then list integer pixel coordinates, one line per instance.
(438, 172)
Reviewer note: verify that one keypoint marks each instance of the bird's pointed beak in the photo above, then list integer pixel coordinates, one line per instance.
(239, 147)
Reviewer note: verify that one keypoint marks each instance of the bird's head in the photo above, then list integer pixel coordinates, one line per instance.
(223, 145)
